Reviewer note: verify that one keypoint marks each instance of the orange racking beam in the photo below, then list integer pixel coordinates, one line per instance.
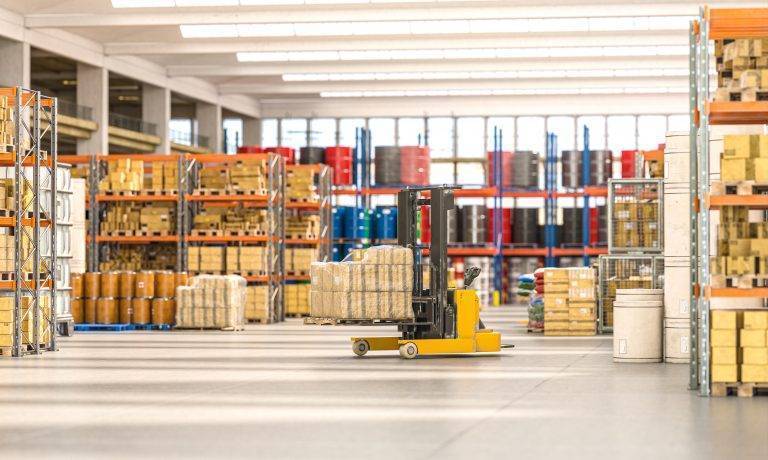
(737, 23)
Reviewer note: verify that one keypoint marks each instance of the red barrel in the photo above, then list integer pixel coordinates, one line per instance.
(506, 160)
(340, 159)
(506, 226)
(414, 165)
(628, 163)
(250, 149)
(426, 234)
(287, 152)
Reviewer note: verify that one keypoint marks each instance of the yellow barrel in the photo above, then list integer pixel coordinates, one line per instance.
(78, 313)
(76, 281)
(141, 311)
(90, 310)
(163, 311)
(182, 279)
(109, 286)
(165, 284)
(106, 310)
(144, 287)
(91, 290)
(125, 311)
(127, 280)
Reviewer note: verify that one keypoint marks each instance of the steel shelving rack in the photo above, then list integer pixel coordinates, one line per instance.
(714, 24)
(34, 172)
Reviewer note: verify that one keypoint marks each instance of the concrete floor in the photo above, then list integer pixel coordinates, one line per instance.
(294, 391)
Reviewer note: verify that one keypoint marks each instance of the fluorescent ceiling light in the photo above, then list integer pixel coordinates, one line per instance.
(468, 26)
(505, 92)
(487, 75)
(197, 3)
(143, 3)
(209, 31)
(466, 53)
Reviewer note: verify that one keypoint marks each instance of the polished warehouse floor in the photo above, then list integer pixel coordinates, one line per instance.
(294, 391)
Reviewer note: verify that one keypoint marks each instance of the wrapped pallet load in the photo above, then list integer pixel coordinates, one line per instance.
(377, 285)
(211, 301)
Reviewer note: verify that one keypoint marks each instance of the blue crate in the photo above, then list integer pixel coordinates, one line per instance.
(103, 327)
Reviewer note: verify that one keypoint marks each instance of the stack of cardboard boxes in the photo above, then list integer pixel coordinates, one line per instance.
(249, 176)
(745, 157)
(165, 176)
(231, 220)
(556, 314)
(636, 223)
(27, 318)
(298, 260)
(131, 218)
(158, 219)
(7, 125)
(570, 301)
(123, 175)
(206, 259)
(8, 201)
(257, 304)
(739, 346)
(742, 69)
(302, 226)
(300, 184)
(297, 299)
(246, 259)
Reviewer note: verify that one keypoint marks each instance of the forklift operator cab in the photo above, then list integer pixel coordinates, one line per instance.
(445, 320)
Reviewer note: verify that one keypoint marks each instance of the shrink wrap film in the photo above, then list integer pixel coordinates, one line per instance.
(211, 301)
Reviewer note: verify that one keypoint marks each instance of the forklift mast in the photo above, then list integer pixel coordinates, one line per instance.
(432, 307)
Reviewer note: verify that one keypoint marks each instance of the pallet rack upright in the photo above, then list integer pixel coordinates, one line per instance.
(714, 24)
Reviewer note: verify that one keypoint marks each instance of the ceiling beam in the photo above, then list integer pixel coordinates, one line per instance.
(568, 83)
(370, 12)
(270, 69)
(218, 46)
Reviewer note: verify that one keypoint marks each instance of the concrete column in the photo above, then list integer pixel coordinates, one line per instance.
(156, 108)
(93, 92)
(15, 62)
(209, 125)
(251, 131)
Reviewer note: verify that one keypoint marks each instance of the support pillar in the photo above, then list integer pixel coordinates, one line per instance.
(15, 62)
(156, 108)
(93, 92)
(209, 124)
(251, 131)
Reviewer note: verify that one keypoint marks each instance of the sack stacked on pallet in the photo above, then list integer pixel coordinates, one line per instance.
(377, 286)
(211, 301)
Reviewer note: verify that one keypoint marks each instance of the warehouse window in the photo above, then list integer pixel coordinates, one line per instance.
(506, 126)
(651, 131)
(622, 134)
(294, 132)
(596, 125)
(471, 174)
(180, 130)
(679, 123)
(382, 131)
(348, 130)
(564, 129)
(440, 136)
(442, 173)
(531, 135)
(322, 132)
(269, 132)
(469, 137)
(410, 131)
(233, 134)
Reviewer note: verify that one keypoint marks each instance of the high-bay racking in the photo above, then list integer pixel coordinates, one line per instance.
(714, 24)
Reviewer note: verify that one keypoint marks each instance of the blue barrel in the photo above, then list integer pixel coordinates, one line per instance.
(386, 222)
(336, 252)
(360, 227)
(338, 213)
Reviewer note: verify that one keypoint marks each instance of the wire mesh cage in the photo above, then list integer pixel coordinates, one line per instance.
(635, 207)
(625, 272)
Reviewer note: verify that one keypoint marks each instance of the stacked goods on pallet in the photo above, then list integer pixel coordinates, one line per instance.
(125, 297)
(206, 259)
(297, 299)
(518, 169)
(378, 286)
(212, 302)
(742, 70)
(228, 220)
(302, 226)
(27, 322)
(600, 168)
(123, 175)
(156, 219)
(745, 157)
(753, 340)
(7, 126)
(556, 317)
(635, 223)
(257, 304)
(638, 326)
(165, 176)
(299, 260)
(249, 176)
(582, 301)
(726, 356)
(135, 257)
(300, 185)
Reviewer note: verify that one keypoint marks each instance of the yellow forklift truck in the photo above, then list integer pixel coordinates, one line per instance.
(446, 320)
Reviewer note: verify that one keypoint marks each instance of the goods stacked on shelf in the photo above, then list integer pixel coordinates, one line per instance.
(626, 272)
(385, 227)
(638, 326)
(297, 299)
(236, 220)
(745, 157)
(569, 301)
(256, 307)
(140, 219)
(126, 297)
(287, 153)
(378, 286)
(311, 155)
(742, 70)
(351, 226)
(165, 176)
(212, 302)
(123, 175)
(27, 325)
(300, 184)
(519, 170)
(137, 257)
(600, 168)
(739, 349)
(401, 165)
(635, 216)
(726, 356)
(340, 159)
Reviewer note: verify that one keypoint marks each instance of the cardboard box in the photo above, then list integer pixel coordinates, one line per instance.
(756, 320)
(751, 338)
(741, 145)
(754, 373)
(555, 301)
(727, 319)
(558, 275)
(726, 373)
(736, 169)
(726, 355)
(556, 315)
(724, 337)
(581, 312)
(755, 356)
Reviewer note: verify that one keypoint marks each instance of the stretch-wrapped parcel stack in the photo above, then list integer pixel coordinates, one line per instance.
(211, 301)
(376, 286)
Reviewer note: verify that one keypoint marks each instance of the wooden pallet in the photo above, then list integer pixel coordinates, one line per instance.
(259, 321)
(153, 233)
(154, 192)
(245, 232)
(744, 187)
(11, 276)
(297, 315)
(297, 273)
(304, 200)
(207, 232)
(248, 191)
(301, 236)
(741, 95)
(741, 389)
(209, 192)
(121, 192)
(225, 329)
(738, 281)
(121, 233)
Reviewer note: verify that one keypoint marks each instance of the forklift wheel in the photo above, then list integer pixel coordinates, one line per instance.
(408, 350)
(360, 347)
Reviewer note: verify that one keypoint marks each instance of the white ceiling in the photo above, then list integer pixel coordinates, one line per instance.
(154, 35)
